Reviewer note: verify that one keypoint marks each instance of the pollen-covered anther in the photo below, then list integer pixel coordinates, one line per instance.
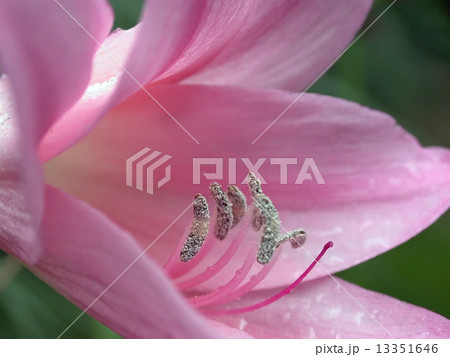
(267, 213)
(238, 202)
(254, 184)
(199, 229)
(296, 237)
(258, 219)
(224, 219)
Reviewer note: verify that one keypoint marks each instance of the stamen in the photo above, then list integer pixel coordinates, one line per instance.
(237, 242)
(277, 296)
(254, 184)
(258, 219)
(271, 230)
(239, 204)
(249, 285)
(264, 214)
(297, 238)
(224, 218)
(199, 229)
(230, 286)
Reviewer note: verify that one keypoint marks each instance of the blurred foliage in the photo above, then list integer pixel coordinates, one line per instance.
(127, 12)
(31, 309)
(400, 66)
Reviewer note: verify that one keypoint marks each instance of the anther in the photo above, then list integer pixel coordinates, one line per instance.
(271, 221)
(199, 229)
(258, 218)
(297, 238)
(224, 219)
(264, 214)
(254, 184)
(238, 202)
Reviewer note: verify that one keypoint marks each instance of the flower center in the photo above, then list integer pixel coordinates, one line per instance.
(216, 270)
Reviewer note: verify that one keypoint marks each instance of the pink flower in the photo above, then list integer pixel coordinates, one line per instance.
(65, 209)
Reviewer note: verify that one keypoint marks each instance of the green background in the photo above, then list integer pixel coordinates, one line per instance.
(399, 66)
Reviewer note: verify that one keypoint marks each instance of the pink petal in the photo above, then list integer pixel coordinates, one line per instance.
(85, 253)
(48, 55)
(47, 73)
(96, 100)
(323, 309)
(20, 185)
(226, 331)
(281, 44)
(258, 44)
(127, 60)
(165, 30)
(381, 187)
